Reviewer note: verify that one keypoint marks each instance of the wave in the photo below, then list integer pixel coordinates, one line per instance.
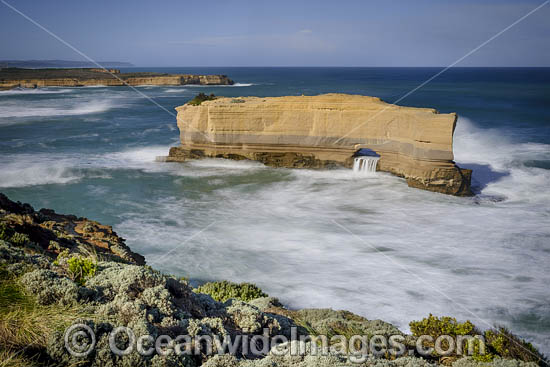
(175, 90)
(135, 157)
(221, 86)
(501, 166)
(31, 170)
(43, 169)
(83, 108)
(20, 91)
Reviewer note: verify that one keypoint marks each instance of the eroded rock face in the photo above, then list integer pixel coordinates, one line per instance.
(54, 232)
(325, 131)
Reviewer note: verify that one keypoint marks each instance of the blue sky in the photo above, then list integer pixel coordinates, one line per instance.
(280, 32)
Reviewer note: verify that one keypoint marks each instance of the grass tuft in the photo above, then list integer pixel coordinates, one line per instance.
(26, 326)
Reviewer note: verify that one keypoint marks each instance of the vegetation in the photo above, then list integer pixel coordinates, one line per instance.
(224, 290)
(78, 268)
(201, 97)
(10, 235)
(25, 326)
(507, 345)
(81, 269)
(435, 326)
(499, 342)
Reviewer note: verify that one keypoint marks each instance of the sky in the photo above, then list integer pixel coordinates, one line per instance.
(280, 32)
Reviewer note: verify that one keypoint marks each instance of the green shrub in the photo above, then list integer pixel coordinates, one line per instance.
(201, 97)
(10, 235)
(5, 232)
(435, 327)
(498, 341)
(81, 269)
(20, 239)
(224, 290)
(509, 346)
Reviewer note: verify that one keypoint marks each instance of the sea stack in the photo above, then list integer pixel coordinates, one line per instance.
(325, 131)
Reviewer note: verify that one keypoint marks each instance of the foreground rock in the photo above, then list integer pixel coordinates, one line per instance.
(53, 233)
(33, 78)
(325, 131)
(40, 299)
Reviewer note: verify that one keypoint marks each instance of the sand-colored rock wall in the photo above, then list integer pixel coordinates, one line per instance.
(326, 131)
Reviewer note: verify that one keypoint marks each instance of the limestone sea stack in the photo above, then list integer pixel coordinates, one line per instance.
(326, 131)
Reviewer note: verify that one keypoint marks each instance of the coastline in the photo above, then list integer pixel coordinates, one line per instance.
(80, 77)
(110, 286)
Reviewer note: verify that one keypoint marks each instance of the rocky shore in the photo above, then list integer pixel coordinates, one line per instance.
(325, 131)
(33, 78)
(61, 270)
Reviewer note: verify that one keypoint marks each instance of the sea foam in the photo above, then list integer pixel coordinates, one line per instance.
(10, 110)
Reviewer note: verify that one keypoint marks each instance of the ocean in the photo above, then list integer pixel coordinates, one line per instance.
(367, 244)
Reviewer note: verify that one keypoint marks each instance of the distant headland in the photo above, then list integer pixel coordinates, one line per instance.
(79, 77)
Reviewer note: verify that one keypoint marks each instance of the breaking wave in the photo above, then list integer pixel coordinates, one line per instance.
(30, 110)
(19, 91)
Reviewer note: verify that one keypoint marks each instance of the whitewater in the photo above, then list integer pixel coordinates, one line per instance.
(366, 243)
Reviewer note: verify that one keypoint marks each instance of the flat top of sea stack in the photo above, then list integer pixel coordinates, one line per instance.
(326, 101)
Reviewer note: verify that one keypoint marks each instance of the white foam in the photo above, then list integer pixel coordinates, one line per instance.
(30, 170)
(19, 91)
(135, 157)
(20, 170)
(218, 86)
(226, 164)
(498, 163)
(175, 90)
(51, 109)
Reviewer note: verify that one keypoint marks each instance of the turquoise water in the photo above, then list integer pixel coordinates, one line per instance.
(370, 245)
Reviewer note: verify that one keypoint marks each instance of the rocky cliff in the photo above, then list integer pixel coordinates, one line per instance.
(33, 78)
(326, 131)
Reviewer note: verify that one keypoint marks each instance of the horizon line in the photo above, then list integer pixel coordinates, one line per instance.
(329, 66)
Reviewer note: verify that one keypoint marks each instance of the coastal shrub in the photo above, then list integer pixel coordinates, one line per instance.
(20, 239)
(9, 234)
(77, 267)
(224, 290)
(81, 269)
(5, 232)
(499, 341)
(201, 97)
(437, 326)
(509, 346)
